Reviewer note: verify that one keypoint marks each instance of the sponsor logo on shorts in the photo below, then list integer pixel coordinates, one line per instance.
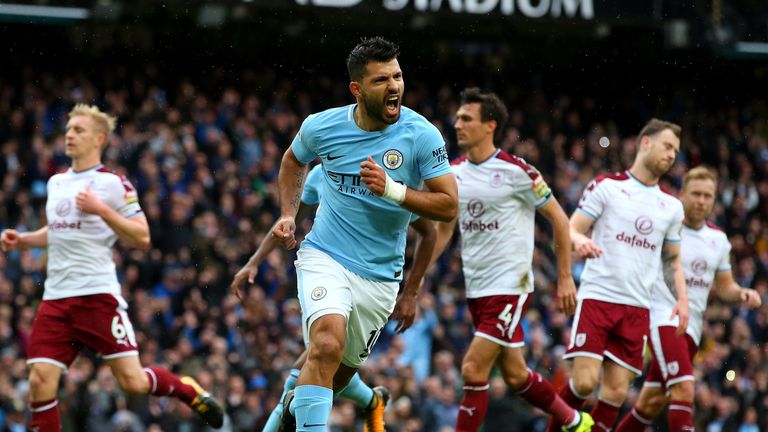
(392, 159)
(581, 339)
(673, 368)
(319, 293)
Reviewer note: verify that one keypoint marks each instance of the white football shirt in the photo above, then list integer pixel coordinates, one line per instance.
(632, 222)
(80, 244)
(497, 206)
(704, 252)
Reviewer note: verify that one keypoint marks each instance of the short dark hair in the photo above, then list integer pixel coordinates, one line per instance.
(491, 108)
(375, 49)
(655, 126)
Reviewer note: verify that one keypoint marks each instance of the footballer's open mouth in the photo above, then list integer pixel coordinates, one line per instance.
(392, 104)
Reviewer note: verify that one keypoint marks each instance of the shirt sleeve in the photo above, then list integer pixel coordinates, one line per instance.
(432, 155)
(674, 233)
(303, 145)
(725, 259)
(311, 194)
(593, 200)
(128, 200)
(533, 189)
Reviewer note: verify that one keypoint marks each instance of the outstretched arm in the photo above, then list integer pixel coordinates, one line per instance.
(405, 309)
(566, 288)
(728, 290)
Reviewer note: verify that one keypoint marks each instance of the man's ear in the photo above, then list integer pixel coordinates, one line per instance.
(354, 88)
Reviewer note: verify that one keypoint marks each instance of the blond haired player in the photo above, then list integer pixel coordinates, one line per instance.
(88, 208)
(706, 262)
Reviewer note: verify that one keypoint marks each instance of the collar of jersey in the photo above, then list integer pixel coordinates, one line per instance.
(491, 157)
(351, 117)
(72, 170)
(641, 183)
(686, 226)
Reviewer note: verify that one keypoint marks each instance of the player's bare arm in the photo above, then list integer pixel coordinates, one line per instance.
(405, 308)
(672, 269)
(290, 180)
(10, 239)
(728, 290)
(444, 232)
(267, 245)
(131, 231)
(580, 224)
(438, 201)
(566, 288)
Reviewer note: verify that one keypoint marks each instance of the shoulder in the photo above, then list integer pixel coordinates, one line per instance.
(607, 178)
(716, 233)
(417, 123)
(327, 118)
(117, 178)
(461, 160)
(518, 164)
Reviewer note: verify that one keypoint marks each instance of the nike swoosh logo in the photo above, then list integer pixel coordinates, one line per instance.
(314, 424)
(330, 158)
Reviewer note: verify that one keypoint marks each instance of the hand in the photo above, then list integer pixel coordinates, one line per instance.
(588, 249)
(373, 176)
(566, 295)
(88, 202)
(751, 298)
(249, 271)
(404, 313)
(681, 311)
(284, 231)
(10, 240)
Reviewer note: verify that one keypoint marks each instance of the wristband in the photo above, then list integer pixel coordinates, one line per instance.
(394, 191)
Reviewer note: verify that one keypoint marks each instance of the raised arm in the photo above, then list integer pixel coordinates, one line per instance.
(728, 290)
(674, 277)
(291, 184)
(405, 308)
(566, 288)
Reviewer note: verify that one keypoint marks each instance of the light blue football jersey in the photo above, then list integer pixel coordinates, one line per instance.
(311, 194)
(364, 232)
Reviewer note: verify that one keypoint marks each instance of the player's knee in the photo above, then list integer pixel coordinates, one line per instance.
(516, 379)
(472, 370)
(41, 382)
(682, 391)
(613, 393)
(133, 382)
(584, 383)
(651, 406)
(326, 348)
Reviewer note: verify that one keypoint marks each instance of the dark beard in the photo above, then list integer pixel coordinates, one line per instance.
(376, 109)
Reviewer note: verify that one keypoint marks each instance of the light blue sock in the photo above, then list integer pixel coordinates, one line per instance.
(358, 391)
(312, 406)
(273, 423)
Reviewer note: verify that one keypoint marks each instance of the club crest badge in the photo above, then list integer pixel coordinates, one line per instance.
(392, 159)
(581, 339)
(319, 293)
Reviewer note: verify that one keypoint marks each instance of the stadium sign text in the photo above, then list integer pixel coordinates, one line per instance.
(528, 8)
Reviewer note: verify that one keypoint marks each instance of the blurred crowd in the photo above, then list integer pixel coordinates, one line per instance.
(205, 161)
